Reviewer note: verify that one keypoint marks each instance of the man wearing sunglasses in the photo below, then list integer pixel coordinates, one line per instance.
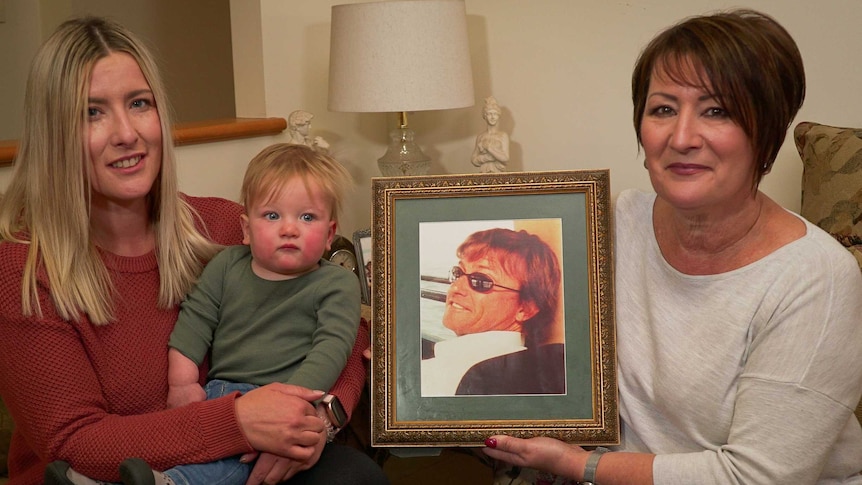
(502, 304)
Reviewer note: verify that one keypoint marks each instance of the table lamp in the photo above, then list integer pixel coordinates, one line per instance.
(400, 56)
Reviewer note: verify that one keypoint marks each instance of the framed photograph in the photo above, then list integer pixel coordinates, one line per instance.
(362, 245)
(493, 309)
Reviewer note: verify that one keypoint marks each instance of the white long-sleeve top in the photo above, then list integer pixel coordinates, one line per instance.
(749, 376)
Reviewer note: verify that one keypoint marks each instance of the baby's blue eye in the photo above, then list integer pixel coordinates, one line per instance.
(271, 216)
(307, 217)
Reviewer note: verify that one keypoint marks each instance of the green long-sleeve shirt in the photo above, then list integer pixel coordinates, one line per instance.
(298, 331)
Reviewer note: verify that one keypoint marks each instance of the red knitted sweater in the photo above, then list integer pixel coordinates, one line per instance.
(95, 395)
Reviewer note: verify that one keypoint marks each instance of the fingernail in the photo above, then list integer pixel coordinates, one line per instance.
(491, 442)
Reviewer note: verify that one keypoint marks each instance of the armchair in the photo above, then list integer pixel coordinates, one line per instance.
(832, 185)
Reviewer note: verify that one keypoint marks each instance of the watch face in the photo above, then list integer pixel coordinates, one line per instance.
(345, 258)
(335, 411)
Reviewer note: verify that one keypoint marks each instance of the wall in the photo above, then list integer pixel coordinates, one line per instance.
(559, 68)
(191, 40)
(21, 29)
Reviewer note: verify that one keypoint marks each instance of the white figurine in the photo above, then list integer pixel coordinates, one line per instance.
(298, 125)
(492, 147)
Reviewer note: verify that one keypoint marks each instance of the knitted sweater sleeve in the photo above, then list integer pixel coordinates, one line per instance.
(350, 383)
(55, 398)
(95, 395)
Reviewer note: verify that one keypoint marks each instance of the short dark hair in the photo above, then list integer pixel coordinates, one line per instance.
(749, 62)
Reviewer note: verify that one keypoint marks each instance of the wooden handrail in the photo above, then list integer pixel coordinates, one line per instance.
(226, 129)
(8, 149)
(192, 133)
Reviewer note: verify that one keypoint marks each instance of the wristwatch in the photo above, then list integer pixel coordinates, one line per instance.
(334, 417)
(334, 410)
(591, 465)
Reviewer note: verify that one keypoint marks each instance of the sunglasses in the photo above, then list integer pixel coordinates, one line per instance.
(478, 281)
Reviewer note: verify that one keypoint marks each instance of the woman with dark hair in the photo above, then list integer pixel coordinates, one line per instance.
(738, 330)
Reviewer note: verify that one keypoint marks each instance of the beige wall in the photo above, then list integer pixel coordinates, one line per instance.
(560, 69)
(191, 41)
(21, 30)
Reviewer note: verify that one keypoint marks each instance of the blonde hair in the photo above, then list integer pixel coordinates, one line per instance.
(276, 164)
(47, 202)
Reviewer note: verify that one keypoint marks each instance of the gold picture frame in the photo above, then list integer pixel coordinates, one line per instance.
(417, 225)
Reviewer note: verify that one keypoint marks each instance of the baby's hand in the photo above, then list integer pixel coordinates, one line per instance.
(185, 394)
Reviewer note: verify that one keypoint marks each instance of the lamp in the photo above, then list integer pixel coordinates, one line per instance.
(400, 56)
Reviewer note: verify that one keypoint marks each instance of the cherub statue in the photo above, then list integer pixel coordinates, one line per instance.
(492, 147)
(298, 125)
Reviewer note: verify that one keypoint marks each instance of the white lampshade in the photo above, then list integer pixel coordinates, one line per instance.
(400, 56)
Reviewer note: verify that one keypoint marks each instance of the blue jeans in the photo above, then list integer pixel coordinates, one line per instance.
(338, 464)
(228, 471)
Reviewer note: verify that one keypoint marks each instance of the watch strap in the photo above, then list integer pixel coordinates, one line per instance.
(592, 464)
(331, 430)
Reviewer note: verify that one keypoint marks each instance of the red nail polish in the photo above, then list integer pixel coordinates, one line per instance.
(491, 442)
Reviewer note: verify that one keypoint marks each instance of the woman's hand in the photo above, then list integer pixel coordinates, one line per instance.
(271, 468)
(280, 419)
(542, 453)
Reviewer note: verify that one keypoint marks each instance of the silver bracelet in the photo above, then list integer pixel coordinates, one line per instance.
(331, 430)
(592, 464)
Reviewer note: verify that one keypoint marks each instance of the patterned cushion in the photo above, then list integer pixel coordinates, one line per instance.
(832, 184)
(832, 181)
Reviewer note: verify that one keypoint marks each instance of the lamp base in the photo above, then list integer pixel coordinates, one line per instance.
(403, 156)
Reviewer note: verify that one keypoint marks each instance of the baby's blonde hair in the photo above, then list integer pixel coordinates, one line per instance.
(276, 164)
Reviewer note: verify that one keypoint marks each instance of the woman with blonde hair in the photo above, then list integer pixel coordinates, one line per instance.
(97, 249)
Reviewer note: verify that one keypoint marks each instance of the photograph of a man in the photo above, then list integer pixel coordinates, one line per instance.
(501, 311)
